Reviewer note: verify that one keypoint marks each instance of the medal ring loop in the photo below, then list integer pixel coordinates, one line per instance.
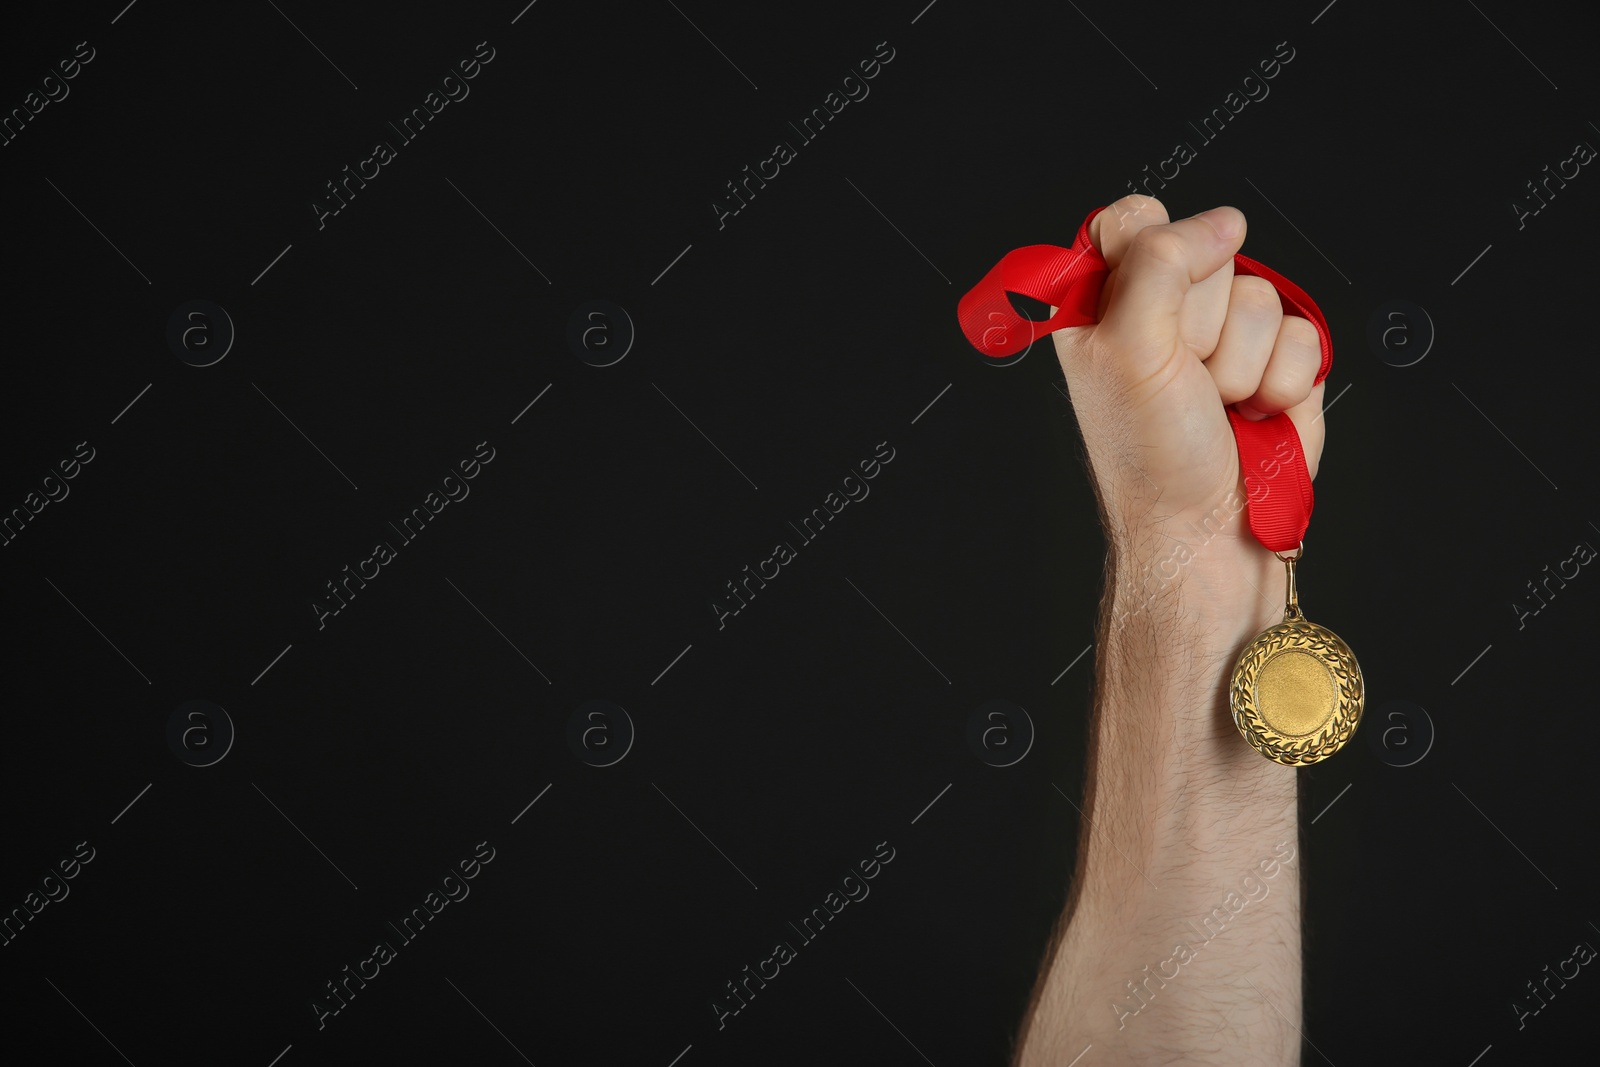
(1299, 552)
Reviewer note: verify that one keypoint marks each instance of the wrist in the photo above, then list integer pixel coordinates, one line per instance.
(1171, 635)
(1224, 584)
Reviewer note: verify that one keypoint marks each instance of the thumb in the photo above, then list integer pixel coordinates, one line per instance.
(1147, 290)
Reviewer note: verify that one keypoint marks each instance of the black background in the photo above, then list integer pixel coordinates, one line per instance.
(773, 754)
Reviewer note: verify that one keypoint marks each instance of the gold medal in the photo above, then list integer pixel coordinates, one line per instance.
(1297, 693)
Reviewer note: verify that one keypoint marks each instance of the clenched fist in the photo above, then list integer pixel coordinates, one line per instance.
(1178, 337)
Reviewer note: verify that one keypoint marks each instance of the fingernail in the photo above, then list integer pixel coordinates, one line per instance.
(1224, 220)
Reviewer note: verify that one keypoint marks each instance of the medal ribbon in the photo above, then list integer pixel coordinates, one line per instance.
(1071, 280)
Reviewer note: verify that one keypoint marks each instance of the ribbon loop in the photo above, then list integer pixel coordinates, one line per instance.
(1067, 278)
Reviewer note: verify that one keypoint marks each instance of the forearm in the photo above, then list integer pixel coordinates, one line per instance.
(1182, 936)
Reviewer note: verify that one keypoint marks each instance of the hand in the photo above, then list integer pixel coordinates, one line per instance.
(1178, 338)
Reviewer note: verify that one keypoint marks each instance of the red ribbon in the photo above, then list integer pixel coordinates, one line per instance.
(1071, 278)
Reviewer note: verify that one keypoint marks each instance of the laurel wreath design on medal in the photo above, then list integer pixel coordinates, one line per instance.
(1302, 636)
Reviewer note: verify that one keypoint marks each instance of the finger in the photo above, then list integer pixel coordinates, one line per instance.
(1245, 345)
(1310, 424)
(1292, 370)
(1204, 311)
(1113, 230)
(1160, 267)
(1200, 321)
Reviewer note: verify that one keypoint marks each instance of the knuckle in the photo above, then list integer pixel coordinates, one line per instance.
(1255, 297)
(1146, 209)
(1291, 374)
(1234, 383)
(1280, 392)
(1300, 340)
(1163, 246)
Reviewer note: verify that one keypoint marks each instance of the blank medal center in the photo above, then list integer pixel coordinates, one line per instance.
(1295, 693)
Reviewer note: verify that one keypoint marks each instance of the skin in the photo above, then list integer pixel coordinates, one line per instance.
(1178, 809)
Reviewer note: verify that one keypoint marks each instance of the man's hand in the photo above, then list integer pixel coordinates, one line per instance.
(1178, 944)
(1179, 337)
